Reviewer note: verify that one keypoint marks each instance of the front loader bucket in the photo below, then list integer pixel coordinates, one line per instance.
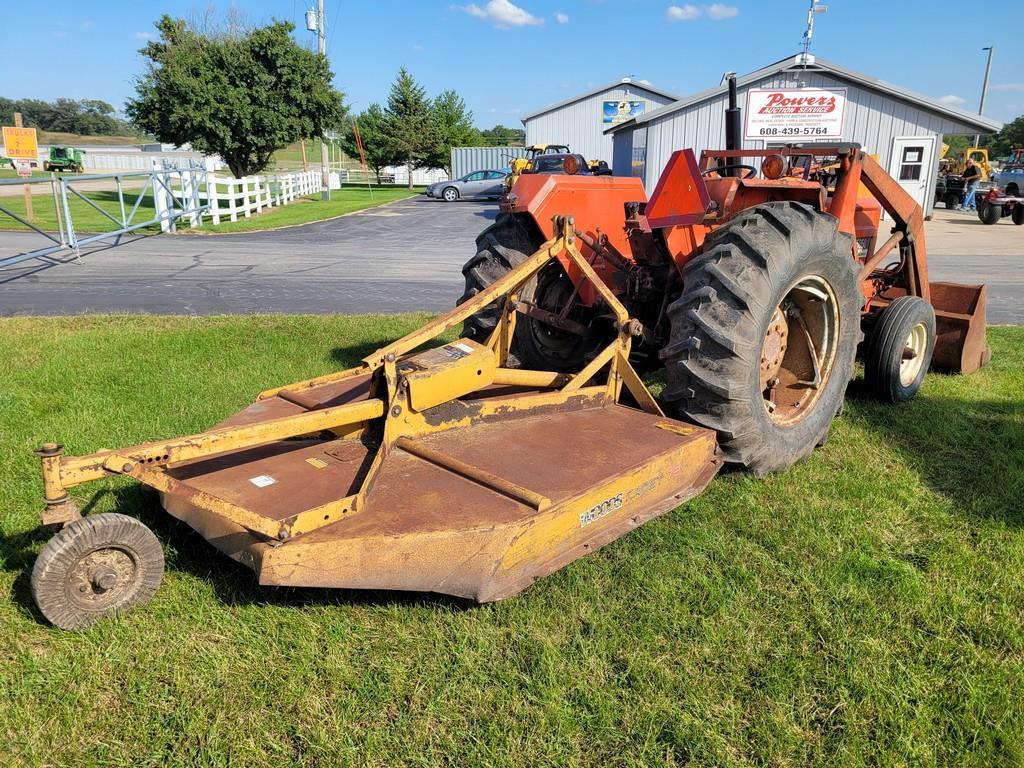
(960, 345)
(431, 469)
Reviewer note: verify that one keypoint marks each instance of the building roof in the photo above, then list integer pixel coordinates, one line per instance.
(626, 81)
(973, 121)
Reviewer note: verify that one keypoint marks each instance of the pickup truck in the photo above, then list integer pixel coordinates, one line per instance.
(1010, 178)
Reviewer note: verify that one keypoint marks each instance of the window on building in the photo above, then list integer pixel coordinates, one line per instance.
(912, 164)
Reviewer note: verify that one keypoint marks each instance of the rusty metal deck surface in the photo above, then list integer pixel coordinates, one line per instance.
(281, 479)
(288, 403)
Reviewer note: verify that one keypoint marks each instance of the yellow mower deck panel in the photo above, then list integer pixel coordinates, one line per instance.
(426, 527)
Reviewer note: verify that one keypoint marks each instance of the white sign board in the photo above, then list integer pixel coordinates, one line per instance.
(795, 113)
(24, 167)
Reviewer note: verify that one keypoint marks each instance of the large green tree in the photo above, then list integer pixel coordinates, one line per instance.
(1010, 137)
(241, 94)
(453, 127)
(410, 128)
(372, 124)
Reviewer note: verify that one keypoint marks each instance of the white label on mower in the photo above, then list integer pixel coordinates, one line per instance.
(598, 511)
(262, 481)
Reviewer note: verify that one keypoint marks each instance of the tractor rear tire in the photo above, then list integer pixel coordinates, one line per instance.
(990, 213)
(97, 566)
(1018, 214)
(772, 303)
(952, 200)
(899, 349)
(535, 345)
(501, 247)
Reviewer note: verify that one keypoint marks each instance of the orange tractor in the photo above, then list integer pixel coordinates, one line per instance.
(474, 467)
(755, 286)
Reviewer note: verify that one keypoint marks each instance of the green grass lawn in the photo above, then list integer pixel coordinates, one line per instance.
(312, 208)
(301, 211)
(864, 608)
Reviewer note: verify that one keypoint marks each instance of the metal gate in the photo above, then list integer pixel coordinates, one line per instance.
(176, 192)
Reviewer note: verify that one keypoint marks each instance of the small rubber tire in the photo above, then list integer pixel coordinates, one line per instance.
(449, 194)
(100, 545)
(990, 213)
(883, 362)
(1018, 214)
(1012, 190)
(951, 200)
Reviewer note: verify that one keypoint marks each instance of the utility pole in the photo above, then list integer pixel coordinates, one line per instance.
(321, 46)
(815, 8)
(984, 87)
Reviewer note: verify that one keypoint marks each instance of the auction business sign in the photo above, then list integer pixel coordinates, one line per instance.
(795, 113)
(615, 112)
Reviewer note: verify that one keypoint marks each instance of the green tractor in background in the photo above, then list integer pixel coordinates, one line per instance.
(64, 158)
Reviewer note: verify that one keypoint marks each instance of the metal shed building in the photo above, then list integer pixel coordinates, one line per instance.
(581, 120)
(903, 128)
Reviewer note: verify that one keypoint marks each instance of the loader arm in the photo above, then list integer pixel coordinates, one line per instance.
(960, 345)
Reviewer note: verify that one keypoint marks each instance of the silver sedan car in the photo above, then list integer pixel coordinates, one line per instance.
(476, 184)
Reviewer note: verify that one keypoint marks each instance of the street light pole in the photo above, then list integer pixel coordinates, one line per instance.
(984, 87)
(321, 46)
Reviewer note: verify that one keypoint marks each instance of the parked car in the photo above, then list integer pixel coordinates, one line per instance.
(475, 184)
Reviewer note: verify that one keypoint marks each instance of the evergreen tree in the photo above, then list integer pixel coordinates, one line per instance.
(372, 125)
(454, 127)
(409, 123)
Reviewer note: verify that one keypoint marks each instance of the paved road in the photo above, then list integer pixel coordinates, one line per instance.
(402, 256)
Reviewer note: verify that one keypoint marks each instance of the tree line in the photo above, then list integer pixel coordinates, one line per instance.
(86, 117)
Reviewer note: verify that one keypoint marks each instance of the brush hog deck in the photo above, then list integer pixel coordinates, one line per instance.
(478, 512)
(428, 468)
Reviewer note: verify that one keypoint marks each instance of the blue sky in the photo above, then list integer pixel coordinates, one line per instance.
(508, 59)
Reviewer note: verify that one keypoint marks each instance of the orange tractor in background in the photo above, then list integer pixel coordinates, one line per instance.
(753, 285)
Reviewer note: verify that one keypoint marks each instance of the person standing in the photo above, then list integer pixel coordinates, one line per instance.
(971, 176)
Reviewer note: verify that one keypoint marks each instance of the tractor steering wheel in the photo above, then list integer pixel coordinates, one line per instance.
(752, 171)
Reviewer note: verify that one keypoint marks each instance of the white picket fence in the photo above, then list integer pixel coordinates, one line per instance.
(230, 198)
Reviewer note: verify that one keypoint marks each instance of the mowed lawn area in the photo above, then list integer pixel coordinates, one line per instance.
(864, 608)
(300, 211)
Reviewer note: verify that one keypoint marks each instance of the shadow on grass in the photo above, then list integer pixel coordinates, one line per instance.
(970, 451)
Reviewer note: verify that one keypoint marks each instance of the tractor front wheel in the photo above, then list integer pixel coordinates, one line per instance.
(764, 336)
(899, 349)
(97, 566)
(1017, 214)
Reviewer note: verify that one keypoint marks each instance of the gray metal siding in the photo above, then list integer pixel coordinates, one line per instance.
(622, 152)
(872, 119)
(468, 159)
(580, 124)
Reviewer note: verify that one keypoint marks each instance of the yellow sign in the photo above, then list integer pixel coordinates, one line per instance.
(20, 143)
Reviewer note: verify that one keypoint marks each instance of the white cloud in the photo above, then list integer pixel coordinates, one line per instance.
(720, 11)
(88, 24)
(682, 13)
(145, 36)
(1009, 87)
(417, 47)
(690, 12)
(951, 100)
(562, 18)
(501, 13)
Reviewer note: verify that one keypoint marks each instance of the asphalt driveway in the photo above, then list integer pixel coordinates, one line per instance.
(406, 255)
(402, 256)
